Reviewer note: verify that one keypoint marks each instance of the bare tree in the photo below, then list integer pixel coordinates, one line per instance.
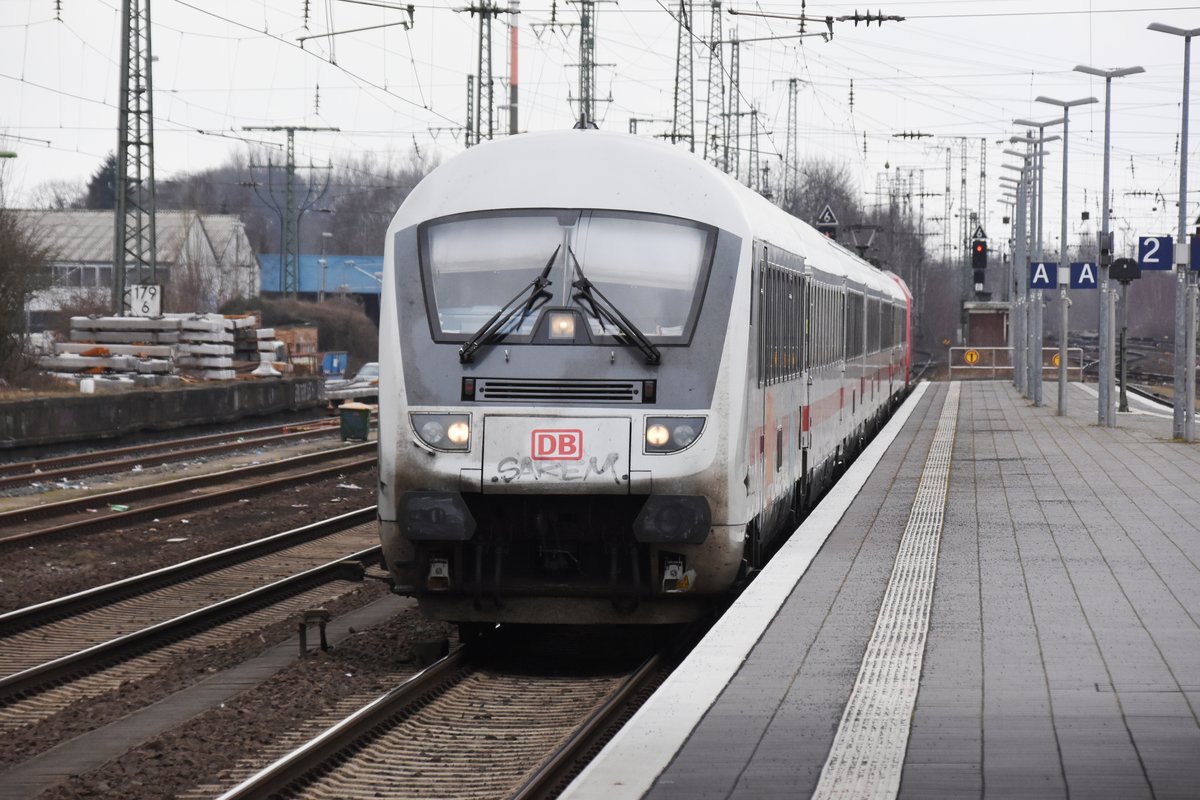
(58, 195)
(824, 183)
(24, 269)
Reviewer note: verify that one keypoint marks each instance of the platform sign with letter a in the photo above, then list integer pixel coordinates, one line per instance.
(1194, 253)
(1156, 252)
(1043, 275)
(1083, 275)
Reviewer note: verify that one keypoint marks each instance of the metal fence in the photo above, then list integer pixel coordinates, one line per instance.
(984, 363)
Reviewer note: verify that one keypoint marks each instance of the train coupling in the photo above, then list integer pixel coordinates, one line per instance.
(438, 579)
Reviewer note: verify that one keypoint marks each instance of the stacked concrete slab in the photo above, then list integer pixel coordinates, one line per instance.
(206, 347)
(198, 346)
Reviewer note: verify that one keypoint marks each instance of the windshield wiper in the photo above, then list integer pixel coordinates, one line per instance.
(530, 294)
(603, 310)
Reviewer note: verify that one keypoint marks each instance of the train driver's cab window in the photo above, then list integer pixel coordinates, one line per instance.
(652, 269)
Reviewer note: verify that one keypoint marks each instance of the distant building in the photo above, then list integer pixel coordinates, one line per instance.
(359, 277)
(203, 260)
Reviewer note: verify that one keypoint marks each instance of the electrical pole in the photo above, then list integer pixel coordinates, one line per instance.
(514, 8)
(289, 273)
(482, 94)
(733, 131)
(791, 155)
(683, 127)
(134, 239)
(714, 132)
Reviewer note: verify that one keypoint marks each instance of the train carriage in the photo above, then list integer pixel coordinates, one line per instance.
(611, 378)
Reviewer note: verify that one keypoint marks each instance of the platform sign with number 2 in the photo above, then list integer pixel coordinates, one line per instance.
(143, 301)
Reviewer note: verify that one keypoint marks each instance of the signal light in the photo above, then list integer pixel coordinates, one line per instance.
(979, 254)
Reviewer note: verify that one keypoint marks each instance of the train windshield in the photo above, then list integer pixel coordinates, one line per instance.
(652, 268)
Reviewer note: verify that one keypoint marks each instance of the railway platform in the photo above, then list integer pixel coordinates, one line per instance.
(994, 602)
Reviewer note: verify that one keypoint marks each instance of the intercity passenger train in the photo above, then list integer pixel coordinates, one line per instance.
(611, 379)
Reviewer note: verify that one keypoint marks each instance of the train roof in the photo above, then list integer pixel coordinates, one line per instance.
(616, 171)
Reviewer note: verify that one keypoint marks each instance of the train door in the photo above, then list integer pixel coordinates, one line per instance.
(760, 421)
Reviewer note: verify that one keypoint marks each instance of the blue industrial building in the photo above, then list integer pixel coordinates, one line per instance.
(359, 277)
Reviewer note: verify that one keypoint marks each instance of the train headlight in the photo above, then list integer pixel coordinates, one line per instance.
(672, 434)
(657, 435)
(459, 432)
(450, 432)
(562, 325)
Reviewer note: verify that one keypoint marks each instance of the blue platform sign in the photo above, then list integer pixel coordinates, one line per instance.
(1083, 275)
(1156, 252)
(1043, 275)
(1194, 261)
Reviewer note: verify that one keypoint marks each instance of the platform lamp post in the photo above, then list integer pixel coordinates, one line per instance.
(1020, 309)
(1037, 207)
(1184, 415)
(1106, 415)
(1064, 266)
(1009, 199)
(324, 262)
(1020, 259)
(1031, 316)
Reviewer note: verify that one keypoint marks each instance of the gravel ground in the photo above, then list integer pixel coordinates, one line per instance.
(38, 572)
(198, 751)
(193, 753)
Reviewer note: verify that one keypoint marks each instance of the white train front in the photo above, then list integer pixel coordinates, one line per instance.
(611, 378)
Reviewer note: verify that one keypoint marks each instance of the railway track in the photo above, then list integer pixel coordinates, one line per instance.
(463, 729)
(120, 459)
(174, 497)
(58, 652)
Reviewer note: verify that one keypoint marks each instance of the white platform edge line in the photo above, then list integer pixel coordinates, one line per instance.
(633, 759)
(866, 758)
(1153, 409)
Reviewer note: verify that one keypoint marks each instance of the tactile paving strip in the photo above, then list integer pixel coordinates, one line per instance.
(867, 755)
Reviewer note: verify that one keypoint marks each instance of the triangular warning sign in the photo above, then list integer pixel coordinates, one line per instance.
(826, 216)
(978, 234)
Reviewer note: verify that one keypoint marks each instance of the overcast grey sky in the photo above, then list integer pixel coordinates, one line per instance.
(952, 68)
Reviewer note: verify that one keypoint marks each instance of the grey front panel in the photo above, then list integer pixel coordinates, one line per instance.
(685, 378)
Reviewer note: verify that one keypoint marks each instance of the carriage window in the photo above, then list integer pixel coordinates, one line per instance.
(652, 268)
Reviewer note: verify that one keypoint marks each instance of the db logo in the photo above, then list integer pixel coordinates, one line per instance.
(557, 445)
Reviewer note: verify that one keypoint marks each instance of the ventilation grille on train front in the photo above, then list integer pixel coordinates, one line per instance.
(560, 391)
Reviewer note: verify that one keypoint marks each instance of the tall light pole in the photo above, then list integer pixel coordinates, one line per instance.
(1064, 266)
(1184, 415)
(1106, 415)
(1037, 304)
(1018, 304)
(1029, 382)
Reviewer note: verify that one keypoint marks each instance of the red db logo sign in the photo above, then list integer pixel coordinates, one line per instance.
(557, 445)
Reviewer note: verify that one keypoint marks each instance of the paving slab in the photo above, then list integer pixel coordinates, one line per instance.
(1062, 654)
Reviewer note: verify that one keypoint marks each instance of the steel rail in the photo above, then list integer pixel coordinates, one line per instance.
(122, 497)
(20, 619)
(99, 466)
(301, 762)
(32, 465)
(555, 768)
(123, 647)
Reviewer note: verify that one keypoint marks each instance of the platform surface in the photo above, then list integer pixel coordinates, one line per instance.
(1058, 654)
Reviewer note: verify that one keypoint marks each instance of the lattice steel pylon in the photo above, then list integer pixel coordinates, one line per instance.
(714, 123)
(754, 178)
(683, 121)
(289, 222)
(982, 182)
(791, 155)
(587, 64)
(483, 94)
(134, 238)
(733, 130)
